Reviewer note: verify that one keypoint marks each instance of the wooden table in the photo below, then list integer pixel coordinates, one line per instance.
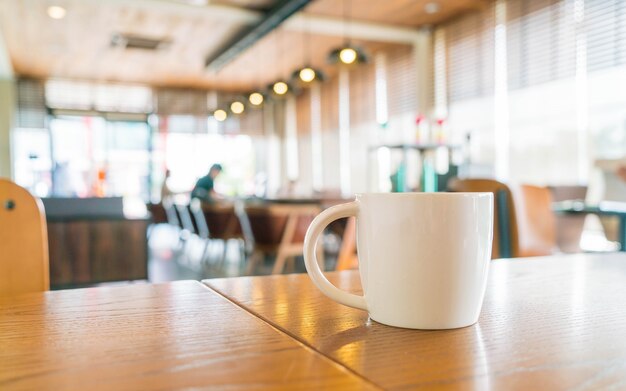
(547, 323)
(141, 337)
(604, 208)
(279, 229)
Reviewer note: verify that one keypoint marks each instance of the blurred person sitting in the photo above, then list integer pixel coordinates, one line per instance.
(205, 186)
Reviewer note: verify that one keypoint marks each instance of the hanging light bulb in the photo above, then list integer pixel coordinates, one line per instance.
(280, 88)
(255, 98)
(347, 55)
(220, 115)
(237, 107)
(307, 74)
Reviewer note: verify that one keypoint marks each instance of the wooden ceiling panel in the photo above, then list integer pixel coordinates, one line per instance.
(258, 5)
(79, 46)
(409, 13)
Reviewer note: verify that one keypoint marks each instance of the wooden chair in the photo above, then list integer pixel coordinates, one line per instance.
(505, 233)
(223, 225)
(23, 242)
(536, 221)
(279, 229)
(222, 221)
(158, 214)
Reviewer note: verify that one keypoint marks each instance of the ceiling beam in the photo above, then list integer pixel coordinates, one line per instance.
(248, 37)
(356, 30)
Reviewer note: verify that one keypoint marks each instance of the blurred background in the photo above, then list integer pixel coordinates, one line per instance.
(111, 111)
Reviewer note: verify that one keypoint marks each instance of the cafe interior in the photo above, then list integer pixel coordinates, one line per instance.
(161, 162)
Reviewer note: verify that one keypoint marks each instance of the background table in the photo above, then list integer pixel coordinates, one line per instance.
(177, 335)
(604, 208)
(547, 323)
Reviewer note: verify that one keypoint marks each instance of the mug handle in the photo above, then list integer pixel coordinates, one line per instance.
(310, 260)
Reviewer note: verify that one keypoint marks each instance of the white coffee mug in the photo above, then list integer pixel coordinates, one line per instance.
(423, 257)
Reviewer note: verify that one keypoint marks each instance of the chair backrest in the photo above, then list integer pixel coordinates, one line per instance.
(158, 215)
(266, 223)
(221, 220)
(505, 234)
(23, 242)
(536, 221)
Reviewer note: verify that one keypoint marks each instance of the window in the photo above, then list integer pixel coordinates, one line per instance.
(550, 103)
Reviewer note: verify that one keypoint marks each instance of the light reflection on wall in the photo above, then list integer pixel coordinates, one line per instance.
(317, 157)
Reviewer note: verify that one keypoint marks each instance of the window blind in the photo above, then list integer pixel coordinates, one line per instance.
(605, 32)
(79, 95)
(470, 55)
(181, 102)
(31, 104)
(363, 94)
(401, 81)
(541, 41)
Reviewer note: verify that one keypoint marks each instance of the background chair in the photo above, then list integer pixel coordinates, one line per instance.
(536, 221)
(23, 242)
(505, 233)
(223, 225)
(158, 214)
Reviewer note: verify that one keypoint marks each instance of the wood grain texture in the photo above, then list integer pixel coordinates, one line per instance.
(168, 336)
(554, 322)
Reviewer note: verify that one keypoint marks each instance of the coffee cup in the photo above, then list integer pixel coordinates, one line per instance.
(423, 257)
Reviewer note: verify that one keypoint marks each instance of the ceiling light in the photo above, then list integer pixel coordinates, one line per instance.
(304, 77)
(280, 88)
(56, 12)
(237, 107)
(220, 115)
(307, 74)
(431, 8)
(255, 98)
(347, 55)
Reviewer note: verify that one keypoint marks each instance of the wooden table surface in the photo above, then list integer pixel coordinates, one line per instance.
(139, 337)
(547, 323)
